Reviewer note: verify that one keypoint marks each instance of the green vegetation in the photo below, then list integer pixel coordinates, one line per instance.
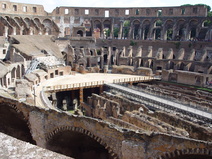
(159, 23)
(107, 32)
(133, 43)
(177, 44)
(126, 28)
(126, 23)
(116, 32)
(71, 111)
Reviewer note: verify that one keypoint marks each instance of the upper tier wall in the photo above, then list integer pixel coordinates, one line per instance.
(34, 9)
(182, 11)
(22, 9)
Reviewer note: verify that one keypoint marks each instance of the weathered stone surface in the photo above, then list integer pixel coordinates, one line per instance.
(13, 148)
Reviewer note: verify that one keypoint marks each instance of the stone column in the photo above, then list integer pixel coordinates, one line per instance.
(102, 58)
(174, 31)
(102, 31)
(81, 95)
(150, 33)
(120, 31)
(139, 33)
(163, 33)
(92, 28)
(130, 31)
(109, 57)
(30, 31)
(6, 31)
(111, 32)
(14, 31)
(187, 33)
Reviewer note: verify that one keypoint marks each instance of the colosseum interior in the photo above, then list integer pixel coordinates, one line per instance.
(105, 83)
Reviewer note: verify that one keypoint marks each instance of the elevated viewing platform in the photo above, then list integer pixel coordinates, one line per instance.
(89, 80)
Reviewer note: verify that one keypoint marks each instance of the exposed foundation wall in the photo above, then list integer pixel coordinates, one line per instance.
(194, 130)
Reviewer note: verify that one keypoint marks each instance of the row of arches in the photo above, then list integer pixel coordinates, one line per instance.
(27, 26)
(9, 78)
(149, 29)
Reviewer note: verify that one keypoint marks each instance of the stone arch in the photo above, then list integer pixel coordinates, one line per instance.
(47, 25)
(80, 33)
(193, 23)
(194, 153)
(6, 23)
(126, 28)
(27, 21)
(204, 29)
(97, 28)
(14, 24)
(145, 29)
(107, 28)
(37, 21)
(136, 29)
(79, 131)
(168, 29)
(181, 30)
(18, 72)
(97, 24)
(156, 32)
(13, 73)
(14, 123)
(181, 66)
(21, 24)
(27, 24)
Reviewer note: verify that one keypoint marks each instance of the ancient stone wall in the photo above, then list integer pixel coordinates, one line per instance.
(182, 11)
(22, 9)
(121, 143)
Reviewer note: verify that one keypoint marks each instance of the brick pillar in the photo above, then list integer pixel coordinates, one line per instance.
(120, 31)
(100, 89)
(112, 30)
(81, 95)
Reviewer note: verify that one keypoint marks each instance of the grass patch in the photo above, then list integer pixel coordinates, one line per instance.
(71, 111)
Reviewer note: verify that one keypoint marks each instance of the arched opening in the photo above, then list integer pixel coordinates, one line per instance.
(22, 70)
(18, 72)
(157, 34)
(48, 26)
(181, 66)
(116, 31)
(107, 28)
(181, 34)
(136, 26)
(97, 29)
(126, 28)
(105, 59)
(146, 28)
(13, 124)
(193, 33)
(13, 73)
(80, 33)
(77, 145)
